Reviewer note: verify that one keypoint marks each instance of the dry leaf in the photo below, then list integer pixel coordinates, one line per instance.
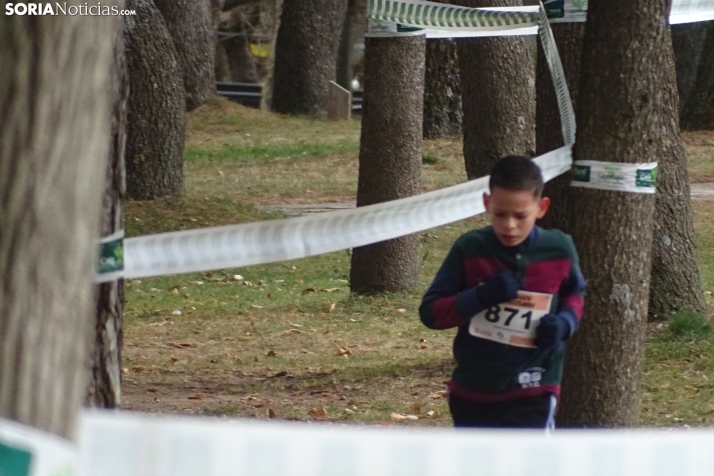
(437, 395)
(331, 290)
(318, 412)
(422, 340)
(259, 405)
(412, 417)
(342, 351)
(238, 277)
(271, 353)
(197, 396)
(332, 307)
(174, 358)
(175, 290)
(271, 413)
(137, 369)
(153, 390)
(401, 311)
(398, 417)
(416, 408)
(124, 370)
(256, 306)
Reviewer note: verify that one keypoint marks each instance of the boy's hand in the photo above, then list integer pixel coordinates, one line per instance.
(500, 287)
(552, 330)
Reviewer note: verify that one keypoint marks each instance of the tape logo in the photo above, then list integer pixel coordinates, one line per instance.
(612, 173)
(646, 178)
(555, 8)
(111, 258)
(531, 378)
(14, 461)
(581, 173)
(580, 5)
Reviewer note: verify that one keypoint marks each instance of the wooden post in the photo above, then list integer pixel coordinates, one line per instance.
(339, 102)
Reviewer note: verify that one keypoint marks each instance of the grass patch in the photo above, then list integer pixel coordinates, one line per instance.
(688, 323)
(268, 152)
(700, 155)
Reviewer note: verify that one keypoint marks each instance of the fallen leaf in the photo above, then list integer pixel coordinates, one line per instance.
(175, 291)
(401, 311)
(331, 290)
(153, 390)
(342, 351)
(137, 369)
(398, 417)
(332, 307)
(271, 413)
(422, 340)
(416, 408)
(318, 412)
(259, 405)
(124, 370)
(271, 353)
(238, 277)
(412, 417)
(256, 306)
(174, 359)
(197, 396)
(437, 395)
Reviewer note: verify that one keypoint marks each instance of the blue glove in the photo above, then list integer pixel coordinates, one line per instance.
(552, 330)
(501, 287)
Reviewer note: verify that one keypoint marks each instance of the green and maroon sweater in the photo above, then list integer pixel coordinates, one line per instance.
(488, 371)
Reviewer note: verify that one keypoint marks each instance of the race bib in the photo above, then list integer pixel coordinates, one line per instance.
(513, 323)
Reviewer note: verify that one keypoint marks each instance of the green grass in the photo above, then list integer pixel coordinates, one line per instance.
(289, 338)
(690, 324)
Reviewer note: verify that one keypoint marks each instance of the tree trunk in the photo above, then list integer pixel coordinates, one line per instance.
(676, 283)
(54, 132)
(699, 111)
(104, 388)
(620, 103)
(191, 26)
(687, 41)
(442, 90)
(156, 111)
(222, 71)
(354, 20)
(390, 157)
(498, 96)
(549, 136)
(306, 54)
(271, 10)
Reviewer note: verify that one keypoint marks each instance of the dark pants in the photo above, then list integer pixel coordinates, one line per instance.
(531, 412)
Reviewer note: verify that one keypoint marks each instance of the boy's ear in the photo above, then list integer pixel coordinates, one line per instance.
(543, 206)
(485, 200)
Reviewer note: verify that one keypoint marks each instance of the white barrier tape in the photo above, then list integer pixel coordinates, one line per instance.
(111, 258)
(615, 176)
(279, 240)
(683, 11)
(25, 451)
(118, 444)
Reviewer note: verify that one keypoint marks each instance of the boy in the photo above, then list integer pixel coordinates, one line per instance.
(515, 292)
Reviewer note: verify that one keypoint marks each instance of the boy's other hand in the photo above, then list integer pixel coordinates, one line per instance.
(501, 287)
(552, 330)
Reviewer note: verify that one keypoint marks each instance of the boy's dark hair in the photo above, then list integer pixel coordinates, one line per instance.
(517, 173)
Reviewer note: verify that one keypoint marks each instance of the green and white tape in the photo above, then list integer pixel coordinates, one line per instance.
(614, 176)
(683, 11)
(25, 451)
(279, 240)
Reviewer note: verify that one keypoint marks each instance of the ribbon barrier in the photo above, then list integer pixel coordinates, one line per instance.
(25, 451)
(120, 444)
(279, 240)
(683, 11)
(614, 176)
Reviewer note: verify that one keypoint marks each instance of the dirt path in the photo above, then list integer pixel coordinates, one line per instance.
(700, 191)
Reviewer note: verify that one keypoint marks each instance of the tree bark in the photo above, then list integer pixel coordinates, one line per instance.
(620, 103)
(699, 111)
(104, 388)
(222, 71)
(54, 132)
(156, 110)
(687, 41)
(443, 112)
(498, 97)
(390, 157)
(271, 20)
(306, 54)
(549, 136)
(353, 28)
(191, 26)
(676, 284)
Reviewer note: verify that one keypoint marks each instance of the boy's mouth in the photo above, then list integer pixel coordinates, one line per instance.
(508, 238)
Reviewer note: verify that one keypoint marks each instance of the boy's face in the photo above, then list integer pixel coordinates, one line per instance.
(514, 213)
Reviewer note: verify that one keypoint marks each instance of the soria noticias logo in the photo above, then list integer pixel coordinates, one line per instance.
(61, 8)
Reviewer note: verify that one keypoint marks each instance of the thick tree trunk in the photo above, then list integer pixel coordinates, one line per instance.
(191, 26)
(498, 96)
(443, 113)
(699, 111)
(549, 136)
(306, 54)
(676, 283)
(54, 131)
(687, 41)
(104, 388)
(620, 103)
(156, 111)
(352, 30)
(390, 157)
(222, 71)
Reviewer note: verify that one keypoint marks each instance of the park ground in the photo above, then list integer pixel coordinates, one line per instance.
(288, 340)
